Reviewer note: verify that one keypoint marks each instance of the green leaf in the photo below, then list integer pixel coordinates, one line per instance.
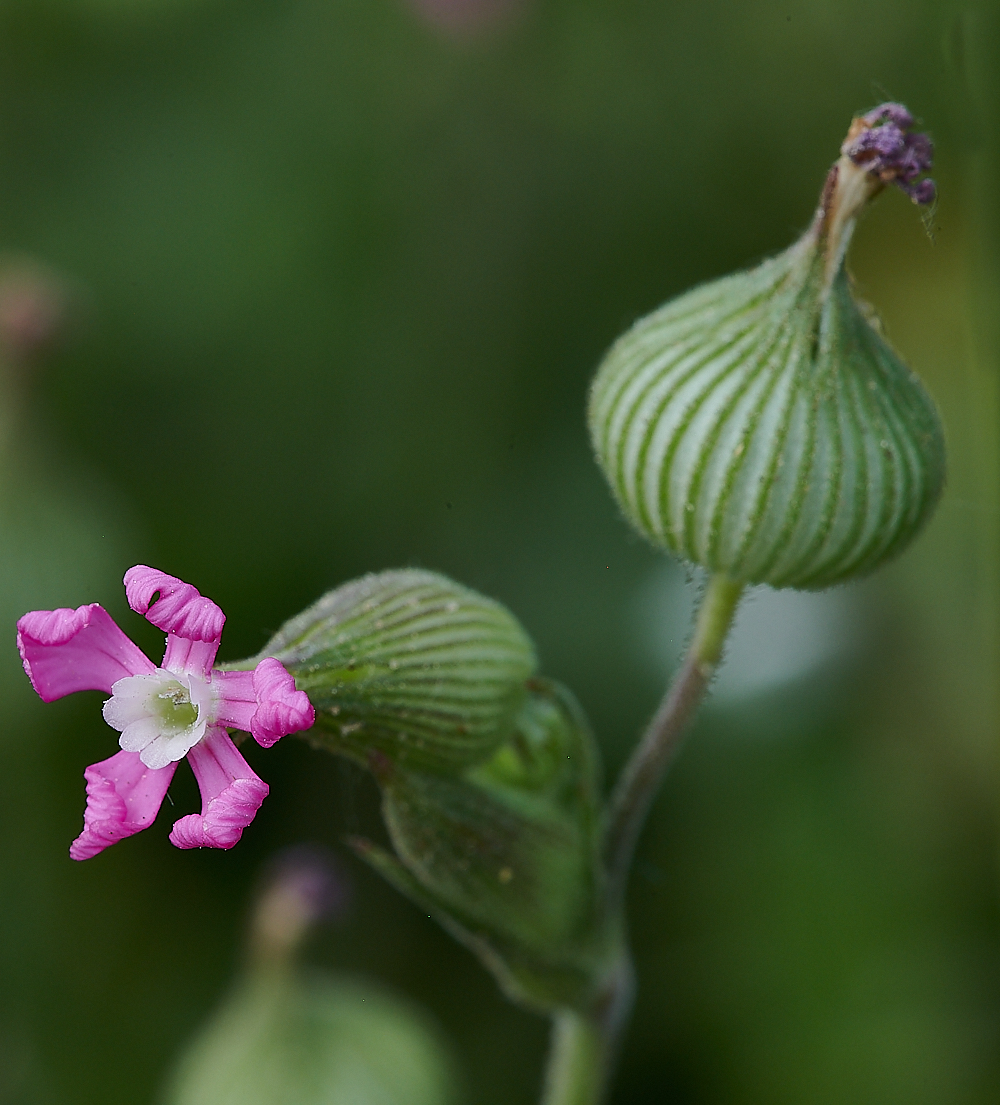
(410, 667)
(288, 1037)
(506, 854)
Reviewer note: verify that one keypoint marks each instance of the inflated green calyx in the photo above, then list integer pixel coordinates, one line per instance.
(408, 665)
(760, 425)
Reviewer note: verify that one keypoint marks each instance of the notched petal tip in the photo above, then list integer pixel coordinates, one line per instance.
(281, 709)
(225, 817)
(103, 818)
(46, 629)
(54, 627)
(173, 605)
(65, 650)
(231, 794)
(123, 798)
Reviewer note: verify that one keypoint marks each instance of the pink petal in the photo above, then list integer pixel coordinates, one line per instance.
(231, 794)
(281, 709)
(189, 657)
(237, 699)
(76, 650)
(123, 797)
(263, 702)
(193, 622)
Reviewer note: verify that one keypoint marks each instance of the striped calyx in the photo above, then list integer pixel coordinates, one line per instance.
(507, 855)
(760, 426)
(409, 666)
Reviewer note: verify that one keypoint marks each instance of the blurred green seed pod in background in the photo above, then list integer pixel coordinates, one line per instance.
(760, 425)
(286, 1035)
(410, 666)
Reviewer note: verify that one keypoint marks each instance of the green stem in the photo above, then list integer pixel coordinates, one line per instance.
(583, 1048)
(641, 778)
(578, 1061)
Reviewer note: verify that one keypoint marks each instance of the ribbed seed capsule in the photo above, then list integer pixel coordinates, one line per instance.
(759, 425)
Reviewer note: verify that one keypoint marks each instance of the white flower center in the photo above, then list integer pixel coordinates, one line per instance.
(162, 715)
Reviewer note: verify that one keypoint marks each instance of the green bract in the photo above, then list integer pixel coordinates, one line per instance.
(410, 666)
(506, 854)
(761, 427)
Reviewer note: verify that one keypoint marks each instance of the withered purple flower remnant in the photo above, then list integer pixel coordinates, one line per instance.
(882, 142)
(759, 425)
(181, 708)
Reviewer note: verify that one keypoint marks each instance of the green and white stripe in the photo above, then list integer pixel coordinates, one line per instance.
(759, 426)
(409, 665)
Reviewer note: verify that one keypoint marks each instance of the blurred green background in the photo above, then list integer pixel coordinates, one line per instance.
(335, 277)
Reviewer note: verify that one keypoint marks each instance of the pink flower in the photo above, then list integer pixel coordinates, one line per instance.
(181, 708)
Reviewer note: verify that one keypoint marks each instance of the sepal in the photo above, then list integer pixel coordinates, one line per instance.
(410, 666)
(506, 856)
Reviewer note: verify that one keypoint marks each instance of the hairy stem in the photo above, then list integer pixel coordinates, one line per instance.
(578, 1060)
(583, 1048)
(642, 775)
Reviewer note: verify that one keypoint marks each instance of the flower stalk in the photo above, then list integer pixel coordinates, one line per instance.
(577, 1068)
(641, 778)
(583, 1046)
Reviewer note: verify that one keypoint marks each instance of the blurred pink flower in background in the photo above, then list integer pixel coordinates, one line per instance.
(465, 17)
(34, 303)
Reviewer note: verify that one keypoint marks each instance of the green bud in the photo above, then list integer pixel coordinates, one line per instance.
(760, 425)
(308, 1037)
(408, 665)
(507, 856)
(311, 1040)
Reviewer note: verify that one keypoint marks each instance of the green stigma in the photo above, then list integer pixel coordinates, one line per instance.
(174, 706)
